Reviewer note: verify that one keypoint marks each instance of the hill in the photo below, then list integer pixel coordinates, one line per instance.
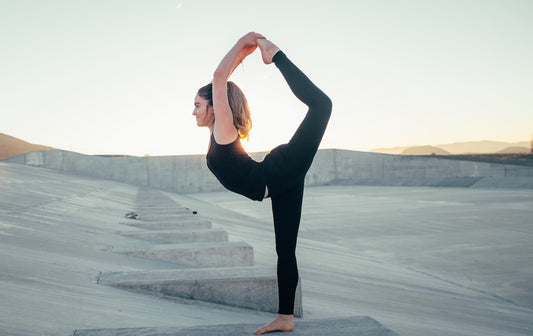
(424, 150)
(481, 146)
(11, 146)
(390, 150)
(471, 147)
(515, 150)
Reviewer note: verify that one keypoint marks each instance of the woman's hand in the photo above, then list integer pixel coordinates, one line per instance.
(248, 44)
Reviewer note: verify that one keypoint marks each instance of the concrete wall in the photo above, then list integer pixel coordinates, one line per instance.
(411, 170)
(189, 173)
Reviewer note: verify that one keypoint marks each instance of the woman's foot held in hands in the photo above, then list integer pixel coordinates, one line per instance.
(268, 50)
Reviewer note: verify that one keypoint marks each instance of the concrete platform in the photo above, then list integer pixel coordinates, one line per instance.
(168, 208)
(158, 217)
(170, 225)
(352, 326)
(164, 213)
(245, 287)
(179, 236)
(216, 254)
(421, 261)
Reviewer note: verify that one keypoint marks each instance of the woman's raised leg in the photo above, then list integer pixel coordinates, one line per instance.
(290, 162)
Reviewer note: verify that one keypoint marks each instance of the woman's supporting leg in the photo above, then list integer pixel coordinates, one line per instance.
(287, 210)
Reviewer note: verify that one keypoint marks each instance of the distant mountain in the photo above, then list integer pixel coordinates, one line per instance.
(472, 147)
(391, 150)
(515, 150)
(11, 146)
(424, 150)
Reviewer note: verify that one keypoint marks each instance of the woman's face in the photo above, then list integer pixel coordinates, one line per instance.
(205, 116)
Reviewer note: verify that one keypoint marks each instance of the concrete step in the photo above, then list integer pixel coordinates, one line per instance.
(149, 202)
(158, 205)
(197, 255)
(350, 326)
(164, 212)
(172, 206)
(171, 225)
(155, 202)
(166, 208)
(179, 236)
(246, 287)
(157, 217)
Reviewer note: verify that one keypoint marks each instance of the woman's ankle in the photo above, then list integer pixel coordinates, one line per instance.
(268, 50)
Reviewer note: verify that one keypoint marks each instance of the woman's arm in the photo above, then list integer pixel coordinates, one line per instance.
(224, 130)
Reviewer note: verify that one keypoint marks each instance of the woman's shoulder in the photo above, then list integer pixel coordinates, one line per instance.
(225, 141)
(224, 134)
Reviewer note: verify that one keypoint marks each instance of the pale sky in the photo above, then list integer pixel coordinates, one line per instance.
(120, 76)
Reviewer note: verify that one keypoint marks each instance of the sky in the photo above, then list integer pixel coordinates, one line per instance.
(120, 76)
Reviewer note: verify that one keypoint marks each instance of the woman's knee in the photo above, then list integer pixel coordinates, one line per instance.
(286, 252)
(326, 104)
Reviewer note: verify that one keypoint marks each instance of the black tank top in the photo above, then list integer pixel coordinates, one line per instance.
(235, 169)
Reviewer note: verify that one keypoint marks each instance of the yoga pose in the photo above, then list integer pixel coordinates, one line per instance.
(222, 107)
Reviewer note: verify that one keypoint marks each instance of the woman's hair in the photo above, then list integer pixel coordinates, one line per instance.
(238, 105)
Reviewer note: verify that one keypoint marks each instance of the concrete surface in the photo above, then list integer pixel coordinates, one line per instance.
(352, 326)
(179, 236)
(160, 217)
(155, 215)
(421, 261)
(213, 254)
(170, 224)
(245, 287)
(157, 208)
(147, 215)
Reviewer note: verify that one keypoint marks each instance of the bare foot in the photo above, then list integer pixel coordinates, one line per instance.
(268, 50)
(281, 323)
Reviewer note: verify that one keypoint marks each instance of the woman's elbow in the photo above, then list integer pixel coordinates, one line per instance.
(219, 76)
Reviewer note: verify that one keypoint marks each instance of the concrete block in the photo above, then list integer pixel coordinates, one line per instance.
(170, 225)
(165, 212)
(154, 217)
(148, 202)
(246, 287)
(180, 236)
(198, 255)
(171, 208)
(350, 326)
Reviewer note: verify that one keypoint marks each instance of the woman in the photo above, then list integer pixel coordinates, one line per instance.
(222, 107)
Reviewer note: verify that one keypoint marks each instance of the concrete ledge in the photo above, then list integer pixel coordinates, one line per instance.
(419, 181)
(158, 216)
(351, 326)
(245, 287)
(198, 255)
(507, 182)
(160, 207)
(171, 225)
(181, 236)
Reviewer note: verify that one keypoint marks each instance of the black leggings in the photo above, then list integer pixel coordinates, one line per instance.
(285, 168)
